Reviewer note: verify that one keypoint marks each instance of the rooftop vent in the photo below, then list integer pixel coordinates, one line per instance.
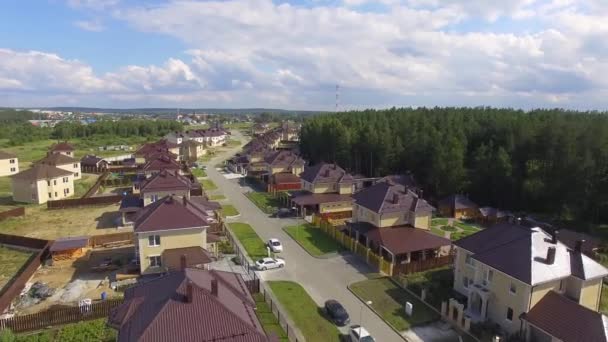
(554, 236)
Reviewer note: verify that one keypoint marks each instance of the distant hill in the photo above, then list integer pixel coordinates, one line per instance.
(166, 111)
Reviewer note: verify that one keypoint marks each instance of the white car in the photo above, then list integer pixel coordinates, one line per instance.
(359, 334)
(275, 245)
(268, 263)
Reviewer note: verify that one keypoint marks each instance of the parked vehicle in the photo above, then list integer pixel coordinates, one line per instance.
(269, 263)
(275, 245)
(360, 334)
(336, 312)
(284, 212)
(204, 167)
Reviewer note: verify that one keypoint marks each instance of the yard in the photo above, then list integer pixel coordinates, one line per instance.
(388, 301)
(95, 330)
(456, 228)
(39, 222)
(198, 173)
(438, 282)
(229, 210)
(208, 185)
(304, 312)
(81, 186)
(267, 318)
(217, 197)
(313, 240)
(254, 246)
(12, 261)
(264, 200)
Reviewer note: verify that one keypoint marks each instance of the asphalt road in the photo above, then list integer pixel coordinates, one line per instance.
(323, 279)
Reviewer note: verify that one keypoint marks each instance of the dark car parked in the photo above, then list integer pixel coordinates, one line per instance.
(284, 212)
(337, 313)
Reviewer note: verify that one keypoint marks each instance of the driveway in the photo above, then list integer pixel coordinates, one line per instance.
(322, 278)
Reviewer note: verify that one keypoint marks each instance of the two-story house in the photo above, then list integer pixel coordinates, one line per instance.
(164, 183)
(42, 183)
(395, 223)
(62, 148)
(511, 274)
(148, 149)
(458, 207)
(326, 190)
(9, 164)
(160, 163)
(169, 228)
(64, 162)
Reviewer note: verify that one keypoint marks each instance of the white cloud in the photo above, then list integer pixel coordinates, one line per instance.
(90, 25)
(93, 4)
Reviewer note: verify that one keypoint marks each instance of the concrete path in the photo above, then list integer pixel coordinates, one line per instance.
(323, 279)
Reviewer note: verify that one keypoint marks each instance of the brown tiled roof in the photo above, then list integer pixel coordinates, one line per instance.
(325, 173)
(383, 198)
(204, 204)
(160, 153)
(161, 163)
(91, 160)
(161, 145)
(62, 146)
(160, 310)
(57, 159)
(569, 237)
(6, 155)
(285, 177)
(166, 180)
(400, 240)
(195, 256)
(42, 171)
(283, 158)
(458, 202)
(63, 244)
(170, 213)
(310, 199)
(567, 320)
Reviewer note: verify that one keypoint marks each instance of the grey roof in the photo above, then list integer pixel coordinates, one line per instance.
(383, 197)
(91, 160)
(42, 171)
(458, 202)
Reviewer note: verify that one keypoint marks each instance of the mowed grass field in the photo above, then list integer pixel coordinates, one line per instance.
(12, 261)
(254, 246)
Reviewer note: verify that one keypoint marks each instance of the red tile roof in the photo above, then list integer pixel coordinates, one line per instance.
(161, 163)
(62, 147)
(326, 173)
(401, 240)
(160, 310)
(383, 197)
(567, 320)
(170, 213)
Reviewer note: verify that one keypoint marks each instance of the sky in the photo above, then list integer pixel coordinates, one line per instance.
(292, 54)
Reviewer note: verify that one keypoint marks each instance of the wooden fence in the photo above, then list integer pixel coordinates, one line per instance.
(423, 265)
(111, 239)
(93, 190)
(83, 202)
(12, 213)
(14, 287)
(49, 318)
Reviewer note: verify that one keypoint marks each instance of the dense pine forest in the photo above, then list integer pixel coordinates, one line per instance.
(543, 161)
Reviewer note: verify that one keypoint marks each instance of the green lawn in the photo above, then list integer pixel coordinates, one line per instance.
(267, 318)
(198, 173)
(81, 186)
(437, 231)
(448, 228)
(95, 330)
(254, 246)
(208, 185)
(439, 283)
(467, 227)
(388, 300)
(459, 235)
(12, 261)
(439, 221)
(217, 197)
(229, 210)
(265, 201)
(312, 239)
(304, 312)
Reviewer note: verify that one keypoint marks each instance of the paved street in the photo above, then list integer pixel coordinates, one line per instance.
(323, 278)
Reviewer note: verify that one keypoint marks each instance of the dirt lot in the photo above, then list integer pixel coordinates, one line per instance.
(74, 279)
(39, 222)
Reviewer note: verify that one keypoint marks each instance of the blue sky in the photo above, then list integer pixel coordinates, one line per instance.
(246, 53)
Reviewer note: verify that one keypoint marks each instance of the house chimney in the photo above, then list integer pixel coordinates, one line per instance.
(189, 292)
(182, 262)
(395, 198)
(554, 236)
(550, 255)
(214, 287)
(578, 245)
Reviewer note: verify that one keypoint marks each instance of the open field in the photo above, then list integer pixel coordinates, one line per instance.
(254, 246)
(388, 299)
(41, 223)
(12, 261)
(229, 210)
(304, 312)
(312, 239)
(263, 200)
(267, 318)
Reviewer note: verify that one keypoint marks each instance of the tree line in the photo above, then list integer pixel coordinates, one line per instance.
(542, 161)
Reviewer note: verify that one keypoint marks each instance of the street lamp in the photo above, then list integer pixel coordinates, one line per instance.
(368, 303)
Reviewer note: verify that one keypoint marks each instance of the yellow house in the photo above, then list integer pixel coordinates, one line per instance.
(42, 183)
(507, 270)
(64, 162)
(283, 162)
(62, 148)
(164, 183)
(169, 228)
(9, 164)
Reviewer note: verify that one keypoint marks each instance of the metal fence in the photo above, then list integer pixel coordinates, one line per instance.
(286, 323)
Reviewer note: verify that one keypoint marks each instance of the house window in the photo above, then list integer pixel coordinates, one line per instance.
(155, 261)
(509, 314)
(50, 195)
(66, 191)
(55, 194)
(154, 240)
(512, 289)
(54, 182)
(469, 260)
(12, 161)
(488, 277)
(65, 179)
(13, 169)
(48, 183)
(465, 282)
(76, 174)
(153, 198)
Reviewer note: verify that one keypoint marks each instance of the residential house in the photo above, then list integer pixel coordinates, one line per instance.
(64, 162)
(42, 183)
(212, 137)
(490, 215)
(275, 162)
(93, 164)
(189, 305)
(521, 277)
(259, 129)
(62, 148)
(284, 181)
(395, 223)
(9, 164)
(164, 183)
(170, 227)
(162, 145)
(161, 163)
(458, 207)
(192, 150)
(326, 190)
